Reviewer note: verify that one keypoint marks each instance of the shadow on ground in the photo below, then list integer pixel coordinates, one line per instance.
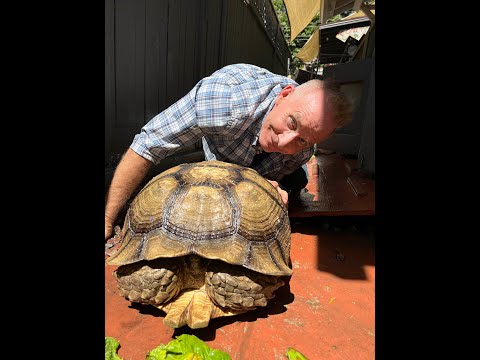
(345, 244)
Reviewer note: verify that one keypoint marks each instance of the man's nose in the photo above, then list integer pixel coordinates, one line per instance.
(286, 138)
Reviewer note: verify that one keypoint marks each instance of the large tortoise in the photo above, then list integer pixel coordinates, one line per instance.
(204, 240)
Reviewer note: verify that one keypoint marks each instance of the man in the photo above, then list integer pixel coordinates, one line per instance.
(244, 115)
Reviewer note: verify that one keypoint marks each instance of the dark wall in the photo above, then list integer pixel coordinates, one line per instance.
(357, 138)
(157, 50)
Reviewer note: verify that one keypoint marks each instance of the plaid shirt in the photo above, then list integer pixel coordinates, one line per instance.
(226, 110)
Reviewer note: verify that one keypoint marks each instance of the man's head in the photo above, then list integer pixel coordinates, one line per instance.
(303, 116)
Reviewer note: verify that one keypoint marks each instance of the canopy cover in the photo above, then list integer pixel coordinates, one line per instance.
(300, 14)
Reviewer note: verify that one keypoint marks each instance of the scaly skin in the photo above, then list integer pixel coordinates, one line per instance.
(228, 286)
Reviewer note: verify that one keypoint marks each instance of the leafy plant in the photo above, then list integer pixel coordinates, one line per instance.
(111, 346)
(293, 354)
(186, 347)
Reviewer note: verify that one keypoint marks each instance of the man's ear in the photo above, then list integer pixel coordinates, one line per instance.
(287, 90)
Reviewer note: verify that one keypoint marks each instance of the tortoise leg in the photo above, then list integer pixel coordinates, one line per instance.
(149, 282)
(238, 288)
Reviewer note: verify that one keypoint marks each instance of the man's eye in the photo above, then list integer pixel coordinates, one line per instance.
(302, 142)
(293, 123)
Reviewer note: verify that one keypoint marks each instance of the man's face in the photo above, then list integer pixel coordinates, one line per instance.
(296, 121)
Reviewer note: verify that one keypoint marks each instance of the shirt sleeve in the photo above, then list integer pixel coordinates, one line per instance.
(205, 110)
(169, 131)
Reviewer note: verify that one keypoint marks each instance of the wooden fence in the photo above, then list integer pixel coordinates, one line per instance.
(157, 50)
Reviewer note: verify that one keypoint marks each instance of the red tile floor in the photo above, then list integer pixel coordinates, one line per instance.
(327, 308)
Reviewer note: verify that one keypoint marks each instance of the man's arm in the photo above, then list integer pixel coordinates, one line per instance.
(129, 173)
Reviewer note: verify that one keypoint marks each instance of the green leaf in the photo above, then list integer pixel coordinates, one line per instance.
(193, 356)
(111, 346)
(295, 355)
(186, 347)
(159, 353)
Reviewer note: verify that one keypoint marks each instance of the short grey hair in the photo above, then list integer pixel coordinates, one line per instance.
(335, 98)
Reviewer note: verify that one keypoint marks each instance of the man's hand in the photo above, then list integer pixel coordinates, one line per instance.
(282, 192)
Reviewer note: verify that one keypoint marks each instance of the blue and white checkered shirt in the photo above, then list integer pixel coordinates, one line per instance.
(226, 110)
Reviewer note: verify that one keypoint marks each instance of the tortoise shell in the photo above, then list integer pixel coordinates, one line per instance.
(212, 209)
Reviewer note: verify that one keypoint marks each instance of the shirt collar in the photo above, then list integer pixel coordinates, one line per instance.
(256, 145)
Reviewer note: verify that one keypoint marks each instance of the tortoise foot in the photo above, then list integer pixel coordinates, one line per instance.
(240, 289)
(193, 308)
(149, 282)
